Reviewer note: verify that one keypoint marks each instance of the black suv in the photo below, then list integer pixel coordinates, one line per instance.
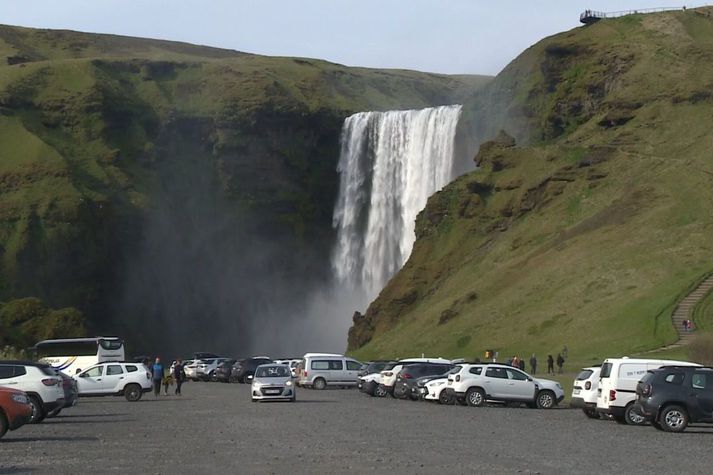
(244, 368)
(406, 387)
(674, 396)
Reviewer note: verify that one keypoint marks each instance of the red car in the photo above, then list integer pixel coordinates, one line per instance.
(15, 409)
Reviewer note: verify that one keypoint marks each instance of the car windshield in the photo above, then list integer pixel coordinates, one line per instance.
(584, 374)
(277, 371)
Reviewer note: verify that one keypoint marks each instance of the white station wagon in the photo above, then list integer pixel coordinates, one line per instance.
(130, 380)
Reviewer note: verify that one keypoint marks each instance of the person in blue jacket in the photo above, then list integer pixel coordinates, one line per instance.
(157, 372)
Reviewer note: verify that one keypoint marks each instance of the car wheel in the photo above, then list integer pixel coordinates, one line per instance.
(673, 419)
(55, 413)
(475, 397)
(444, 398)
(319, 384)
(37, 413)
(3, 425)
(591, 413)
(133, 392)
(546, 399)
(379, 391)
(633, 416)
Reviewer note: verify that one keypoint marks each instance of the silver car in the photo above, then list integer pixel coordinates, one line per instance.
(273, 382)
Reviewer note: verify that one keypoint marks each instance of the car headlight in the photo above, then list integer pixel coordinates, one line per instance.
(288, 383)
(21, 398)
(439, 383)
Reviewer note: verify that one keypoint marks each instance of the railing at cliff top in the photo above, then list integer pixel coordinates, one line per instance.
(591, 16)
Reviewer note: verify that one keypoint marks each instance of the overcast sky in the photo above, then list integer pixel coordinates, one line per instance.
(449, 36)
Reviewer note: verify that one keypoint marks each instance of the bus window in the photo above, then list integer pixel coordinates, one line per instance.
(73, 348)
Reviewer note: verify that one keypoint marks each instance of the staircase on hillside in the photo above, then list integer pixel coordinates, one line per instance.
(685, 307)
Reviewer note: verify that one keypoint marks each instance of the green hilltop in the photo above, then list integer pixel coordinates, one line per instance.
(99, 134)
(587, 219)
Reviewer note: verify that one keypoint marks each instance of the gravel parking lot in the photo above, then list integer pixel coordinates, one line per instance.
(214, 428)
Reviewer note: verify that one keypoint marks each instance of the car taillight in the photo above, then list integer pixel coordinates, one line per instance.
(50, 382)
(457, 377)
(148, 375)
(588, 385)
(646, 390)
(406, 376)
(612, 395)
(305, 373)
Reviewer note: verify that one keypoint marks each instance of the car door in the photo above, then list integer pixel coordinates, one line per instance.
(701, 395)
(352, 371)
(496, 382)
(90, 381)
(114, 379)
(519, 385)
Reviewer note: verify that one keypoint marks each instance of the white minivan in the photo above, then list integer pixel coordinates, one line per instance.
(617, 386)
(319, 370)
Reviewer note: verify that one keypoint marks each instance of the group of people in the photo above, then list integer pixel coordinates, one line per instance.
(176, 374)
(518, 362)
(687, 325)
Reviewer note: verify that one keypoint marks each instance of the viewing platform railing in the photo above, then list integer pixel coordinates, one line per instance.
(591, 16)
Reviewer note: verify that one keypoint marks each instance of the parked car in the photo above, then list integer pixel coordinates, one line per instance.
(204, 355)
(245, 368)
(15, 409)
(476, 384)
(273, 382)
(222, 372)
(585, 391)
(434, 389)
(674, 396)
(39, 381)
(617, 386)
(388, 376)
(130, 380)
(405, 384)
(371, 367)
(320, 370)
(368, 383)
(293, 363)
(205, 368)
(69, 386)
(190, 368)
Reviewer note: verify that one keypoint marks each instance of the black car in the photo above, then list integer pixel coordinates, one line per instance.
(405, 385)
(373, 367)
(244, 368)
(674, 396)
(223, 371)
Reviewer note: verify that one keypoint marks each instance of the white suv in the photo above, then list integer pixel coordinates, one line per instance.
(475, 384)
(585, 391)
(130, 380)
(39, 381)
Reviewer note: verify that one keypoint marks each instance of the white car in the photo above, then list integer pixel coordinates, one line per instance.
(584, 391)
(189, 367)
(292, 363)
(475, 384)
(434, 390)
(130, 380)
(41, 383)
(388, 376)
(273, 382)
(206, 368)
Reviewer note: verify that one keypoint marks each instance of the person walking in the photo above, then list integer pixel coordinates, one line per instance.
(157, 373)
(560, 362)
(533, 364)
(178, 375)
(550, 365)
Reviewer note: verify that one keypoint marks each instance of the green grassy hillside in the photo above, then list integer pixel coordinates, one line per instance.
(105, 139)
(587, 231)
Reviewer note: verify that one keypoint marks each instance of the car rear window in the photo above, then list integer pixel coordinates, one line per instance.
(476, 370)
(606, 370)
(671, 378)
(46, 370)
(584, 374)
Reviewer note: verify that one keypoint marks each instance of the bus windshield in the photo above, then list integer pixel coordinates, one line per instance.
(68, 348)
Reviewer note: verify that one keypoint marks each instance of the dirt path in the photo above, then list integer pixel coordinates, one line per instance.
(685, 307)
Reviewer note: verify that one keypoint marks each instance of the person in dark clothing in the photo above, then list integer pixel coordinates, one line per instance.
(533, 364)
(178, 375)
(550, 365)
(560, 362)
(157, 373)
(521, 364)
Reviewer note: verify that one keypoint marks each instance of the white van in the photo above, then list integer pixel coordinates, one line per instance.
(617, 386)
(319, 370)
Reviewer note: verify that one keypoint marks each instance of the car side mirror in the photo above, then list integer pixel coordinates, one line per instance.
(78, 371)
(250, 377)
(530, 379)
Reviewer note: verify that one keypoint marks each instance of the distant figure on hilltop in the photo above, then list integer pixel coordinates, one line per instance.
(533, 364)
(560, 362)
(550, 365)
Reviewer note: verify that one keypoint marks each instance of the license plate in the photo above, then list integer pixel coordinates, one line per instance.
(576, 391)
(272, 391)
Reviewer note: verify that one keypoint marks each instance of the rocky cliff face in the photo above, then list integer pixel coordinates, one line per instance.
(139, 177)
(585, 225)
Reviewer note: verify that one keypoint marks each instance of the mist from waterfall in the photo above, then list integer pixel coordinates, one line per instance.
(390, 163)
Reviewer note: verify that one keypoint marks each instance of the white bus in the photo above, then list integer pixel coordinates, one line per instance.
(72, 355)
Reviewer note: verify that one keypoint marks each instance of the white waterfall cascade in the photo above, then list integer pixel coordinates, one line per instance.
(390, 163)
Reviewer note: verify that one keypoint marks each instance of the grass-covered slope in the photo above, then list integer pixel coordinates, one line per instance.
(101, 136)
(587, 231)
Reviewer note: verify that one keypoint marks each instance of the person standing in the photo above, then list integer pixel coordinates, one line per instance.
(157, 372)
(533, 364)
(560, 362)
(550, 365)
(178, 375)
(520, 364)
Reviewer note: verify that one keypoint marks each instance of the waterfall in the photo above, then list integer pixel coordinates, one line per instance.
(390, 163)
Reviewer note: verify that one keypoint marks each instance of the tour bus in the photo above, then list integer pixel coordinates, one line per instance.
(72, 355)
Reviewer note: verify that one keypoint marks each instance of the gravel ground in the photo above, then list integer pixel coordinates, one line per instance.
(214, 428)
